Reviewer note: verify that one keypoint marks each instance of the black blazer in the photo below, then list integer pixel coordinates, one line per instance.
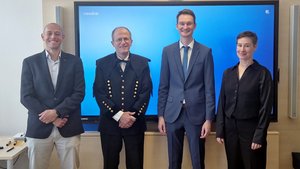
(38, 94)
(250, 97)
(115, 90)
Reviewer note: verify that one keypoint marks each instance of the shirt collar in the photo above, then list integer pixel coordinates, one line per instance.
(49, 57)
(126, 58)
(191, 45)
(254, 65)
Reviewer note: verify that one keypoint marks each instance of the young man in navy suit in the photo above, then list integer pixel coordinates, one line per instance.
(186, 103)
(52, 89)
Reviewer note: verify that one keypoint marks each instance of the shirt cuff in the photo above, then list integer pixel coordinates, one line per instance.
(118, 116)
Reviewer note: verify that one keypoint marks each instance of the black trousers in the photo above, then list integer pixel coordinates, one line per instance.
(238, 139)
(112, 146)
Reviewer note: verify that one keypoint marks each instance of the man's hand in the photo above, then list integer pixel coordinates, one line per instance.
(60, 122)
(48, 116)
(205, 129)
(127, 120)
(161, 125)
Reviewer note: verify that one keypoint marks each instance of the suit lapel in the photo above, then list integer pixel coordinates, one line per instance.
(60, 76)
(177, 60)
(193, 58)
(45, 70)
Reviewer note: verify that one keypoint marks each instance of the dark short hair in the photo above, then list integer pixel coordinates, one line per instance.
(186, 12)
(119, 27)
(248, 34)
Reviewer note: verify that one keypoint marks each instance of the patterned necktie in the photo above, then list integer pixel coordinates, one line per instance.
(185, 60)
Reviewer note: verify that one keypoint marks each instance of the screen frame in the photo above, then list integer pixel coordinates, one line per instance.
(275, 3)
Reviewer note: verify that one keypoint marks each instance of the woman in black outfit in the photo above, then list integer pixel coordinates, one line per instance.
(244, 107)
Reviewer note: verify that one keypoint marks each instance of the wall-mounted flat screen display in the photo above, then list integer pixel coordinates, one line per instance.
(153, 26)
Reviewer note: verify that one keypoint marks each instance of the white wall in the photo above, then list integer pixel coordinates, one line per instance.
(21, 24)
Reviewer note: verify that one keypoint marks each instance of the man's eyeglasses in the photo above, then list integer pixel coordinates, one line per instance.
(119, 40)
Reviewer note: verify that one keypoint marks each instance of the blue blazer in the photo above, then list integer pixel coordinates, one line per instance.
(198, 89)
(38, 94)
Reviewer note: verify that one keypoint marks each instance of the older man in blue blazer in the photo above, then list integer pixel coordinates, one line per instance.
(52, 89)
(186, 94)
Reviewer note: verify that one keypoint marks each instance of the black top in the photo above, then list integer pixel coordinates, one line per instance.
(249, 97)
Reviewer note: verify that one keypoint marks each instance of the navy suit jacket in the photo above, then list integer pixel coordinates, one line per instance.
(38, 94)
(198, 89)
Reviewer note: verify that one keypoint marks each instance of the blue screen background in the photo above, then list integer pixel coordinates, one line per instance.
(154, 27)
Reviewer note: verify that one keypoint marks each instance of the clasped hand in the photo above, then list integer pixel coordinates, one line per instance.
(50, 116)
(127, 120)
